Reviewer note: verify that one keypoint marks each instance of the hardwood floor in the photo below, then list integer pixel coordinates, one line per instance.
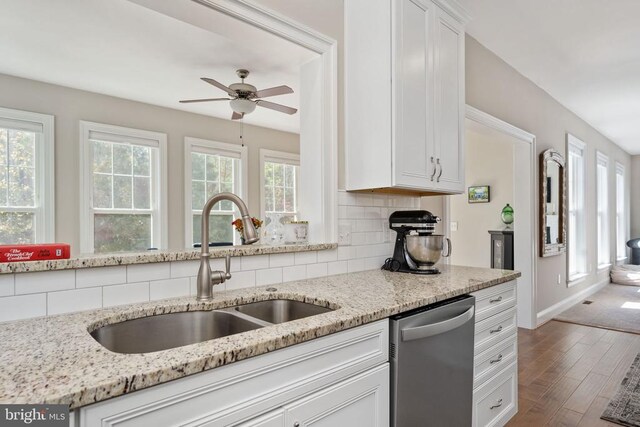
(568, 373)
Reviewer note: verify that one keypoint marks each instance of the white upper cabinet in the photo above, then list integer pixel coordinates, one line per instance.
(404, 62)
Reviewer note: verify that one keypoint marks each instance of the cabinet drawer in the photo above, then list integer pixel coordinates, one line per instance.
(496, 401)
(495, 358)
(493, 300)
(494, 329)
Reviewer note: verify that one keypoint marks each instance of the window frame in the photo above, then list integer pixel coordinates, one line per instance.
(159, 187)
(206, 146)
(578, 147)
(602, 161)
(45, 171)
(621, 213)
(284, 157)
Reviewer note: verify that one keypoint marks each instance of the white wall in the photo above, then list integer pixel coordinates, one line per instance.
(635, 197)
(489, 161)
(69, 106)
(26, 295)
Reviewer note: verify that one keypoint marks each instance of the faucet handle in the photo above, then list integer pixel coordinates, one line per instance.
(227, 267)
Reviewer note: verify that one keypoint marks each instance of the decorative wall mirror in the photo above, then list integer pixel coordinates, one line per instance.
(553, 204)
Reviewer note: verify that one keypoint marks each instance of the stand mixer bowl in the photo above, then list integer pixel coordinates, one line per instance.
(425, 251)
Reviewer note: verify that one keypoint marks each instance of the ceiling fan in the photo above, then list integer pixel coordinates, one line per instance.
(244, 97)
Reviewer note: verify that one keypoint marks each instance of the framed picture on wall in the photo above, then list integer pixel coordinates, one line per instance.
(479, 194)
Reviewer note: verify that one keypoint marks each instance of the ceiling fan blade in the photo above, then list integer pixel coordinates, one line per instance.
(277, 107)
(237, 116)
(273, 91)
(220, 86)
(186, 101)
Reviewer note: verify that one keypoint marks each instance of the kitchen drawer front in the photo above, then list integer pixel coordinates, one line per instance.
(494, 329)
(243, 390)
(493, 300)
(496, 401)
(494, 359)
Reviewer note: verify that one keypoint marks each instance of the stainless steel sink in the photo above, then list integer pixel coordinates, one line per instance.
(280, 310)
(165, 331)
(155, 333)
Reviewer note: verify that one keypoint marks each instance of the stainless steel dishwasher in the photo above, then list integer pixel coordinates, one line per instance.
(431, 351)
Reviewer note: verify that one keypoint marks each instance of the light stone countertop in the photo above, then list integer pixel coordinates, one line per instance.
(55, 360)
(128, 258)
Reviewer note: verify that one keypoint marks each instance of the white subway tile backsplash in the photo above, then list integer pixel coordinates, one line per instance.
(255, 262)
(74, 300)
(346, 252)
(329, 255)
(369, 243)
(45, 281)
(101, 276)
(306, 257)
(345, 198)
(281, 260)
(337, 267)
(147, 272)
(23, 306)
(184, 268)
(355, 212)
(355, 265)
(169, 288)
(372, 213)
(125, 294)
(317, 270)
(296, 272)
(6, 285)
(241, 279)
(269, 276)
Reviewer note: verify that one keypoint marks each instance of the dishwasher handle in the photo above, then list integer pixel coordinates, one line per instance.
(419, 332)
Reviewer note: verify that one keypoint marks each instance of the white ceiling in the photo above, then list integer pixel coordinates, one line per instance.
(153, 51)
(584, 53)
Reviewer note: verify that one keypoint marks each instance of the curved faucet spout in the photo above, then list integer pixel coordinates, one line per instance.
(206, 278)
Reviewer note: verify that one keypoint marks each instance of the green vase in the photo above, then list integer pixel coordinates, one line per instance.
(507, 215)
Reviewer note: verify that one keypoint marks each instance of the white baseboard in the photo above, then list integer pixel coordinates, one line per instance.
(549, 313)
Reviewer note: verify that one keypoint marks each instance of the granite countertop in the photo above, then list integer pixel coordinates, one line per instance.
(55, 360)
(128, 258)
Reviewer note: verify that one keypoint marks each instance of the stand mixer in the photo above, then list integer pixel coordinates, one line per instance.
(417, 249)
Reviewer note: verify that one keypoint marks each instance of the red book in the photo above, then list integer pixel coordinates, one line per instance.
(38, 252)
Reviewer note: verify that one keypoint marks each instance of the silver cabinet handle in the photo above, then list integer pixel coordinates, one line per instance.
(440, 174)
(496, 330)
(497, 405)
(419, 332)
(296, 424)
(496, 360)
(492, 300)
(435, 169)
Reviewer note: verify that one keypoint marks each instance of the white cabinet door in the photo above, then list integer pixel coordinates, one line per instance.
(361, 401)
(272, 419)
(449, 102)
(414, 162)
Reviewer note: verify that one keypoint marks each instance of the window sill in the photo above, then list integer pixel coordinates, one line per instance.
(624, 258)
(129, 258)
(576, 279)
(603, 267)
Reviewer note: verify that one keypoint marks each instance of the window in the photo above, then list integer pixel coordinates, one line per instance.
(211, 168)
(279, 177)
(576, 208)
(621, 220)
(123, 174)
(26, 177)
(604, 256)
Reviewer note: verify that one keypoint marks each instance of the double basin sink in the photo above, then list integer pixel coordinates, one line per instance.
(165, 331)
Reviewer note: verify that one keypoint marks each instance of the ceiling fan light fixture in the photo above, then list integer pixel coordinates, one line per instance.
(240, 105)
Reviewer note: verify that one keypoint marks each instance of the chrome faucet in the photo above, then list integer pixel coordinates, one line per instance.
(207, 278)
